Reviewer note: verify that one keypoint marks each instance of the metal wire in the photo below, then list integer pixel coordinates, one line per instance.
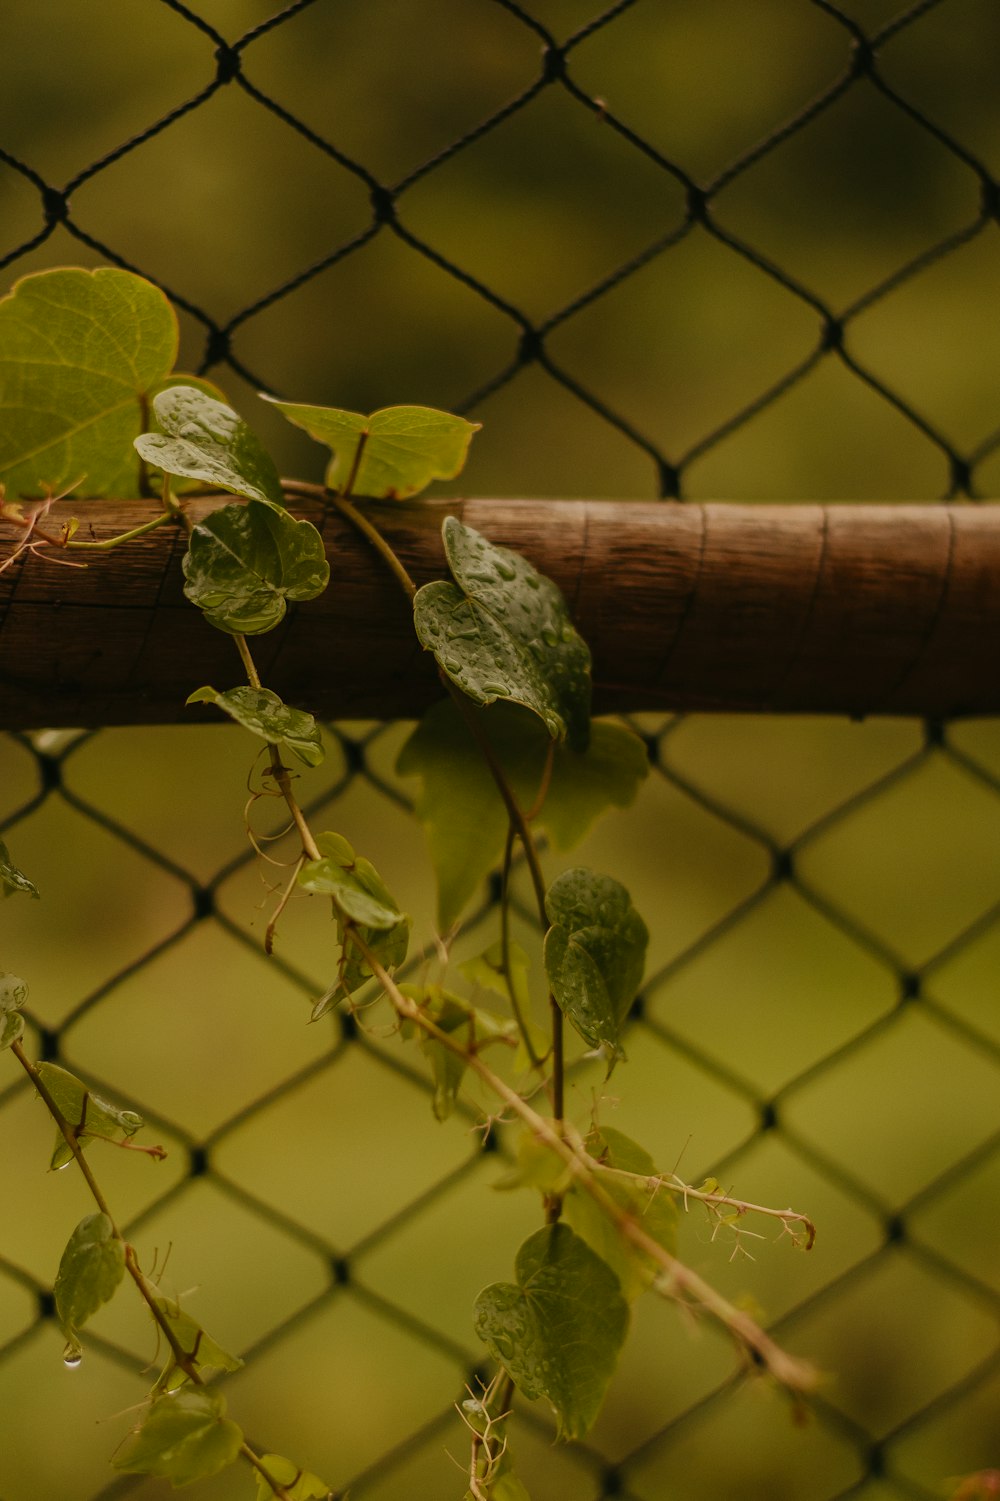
(641, 1469)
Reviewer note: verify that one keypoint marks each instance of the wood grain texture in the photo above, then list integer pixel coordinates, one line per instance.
(844, 609)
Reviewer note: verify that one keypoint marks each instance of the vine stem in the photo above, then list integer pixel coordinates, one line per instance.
(147, 1290)
(515, 813)
(674, 1280)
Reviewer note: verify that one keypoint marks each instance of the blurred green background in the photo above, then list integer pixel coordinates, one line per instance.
(820, 1024)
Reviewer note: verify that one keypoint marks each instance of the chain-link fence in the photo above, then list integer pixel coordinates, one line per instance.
(650, 267)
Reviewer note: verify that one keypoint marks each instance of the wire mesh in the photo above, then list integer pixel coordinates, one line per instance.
(820, 1007)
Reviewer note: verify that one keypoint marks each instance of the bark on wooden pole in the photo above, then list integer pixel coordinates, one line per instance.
(843, 609)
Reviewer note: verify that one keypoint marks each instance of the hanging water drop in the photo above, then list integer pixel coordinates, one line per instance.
(72, 1356)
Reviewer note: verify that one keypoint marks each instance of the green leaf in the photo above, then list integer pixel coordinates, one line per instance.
(301, 1485)
(198, 1345)
(558, 1331)
(185, 1436)
(655, 1210)
(595, 952)
(11, 879)
(204, 439)
(13, 992)
(11, 1028)
(262, 713)
(92, 1266)
(462, 811)
(470, 1027)
(85, 1112)
(361, 899)
(536, 1166)
(390, 454)
(244, 562)
(80, 353)
(502, 630)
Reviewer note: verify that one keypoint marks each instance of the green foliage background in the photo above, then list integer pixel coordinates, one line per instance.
(225, 205)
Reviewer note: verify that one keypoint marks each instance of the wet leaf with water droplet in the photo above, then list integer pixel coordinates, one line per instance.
(204, 439)
(595, 952)
(558, 1331)
(502, 630)
(262, 713)
(244, 562)
(85, 1112)
(91, 1268)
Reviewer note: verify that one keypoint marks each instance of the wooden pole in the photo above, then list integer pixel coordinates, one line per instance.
(843, 609)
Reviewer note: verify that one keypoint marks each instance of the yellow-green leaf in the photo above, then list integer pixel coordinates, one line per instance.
(184, 1436)
(389, 455)
(80, 353)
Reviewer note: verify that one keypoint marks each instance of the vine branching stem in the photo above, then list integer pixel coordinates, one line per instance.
(147, 1290)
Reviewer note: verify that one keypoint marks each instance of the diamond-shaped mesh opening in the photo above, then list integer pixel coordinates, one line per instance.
(729, 251)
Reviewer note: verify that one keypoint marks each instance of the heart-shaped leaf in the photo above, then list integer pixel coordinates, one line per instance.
(198, 1345)
(462, 811)
(655, 1209)
(92, 1266)
(361, 899)
(11, 1028)
(263, 713)
(13, 992)
(85, 1112)
(389, 455)
(80, 354)
(13, 880)
(502, 630)
(595, 952)
(244, 562)
(203, 439)
(184, 1436)
(301, 1485)
(559, 1329)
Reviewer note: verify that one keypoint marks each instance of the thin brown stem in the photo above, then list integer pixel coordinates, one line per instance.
(249, 666)
(147, 1290)
(674, 1279)
(371, 533)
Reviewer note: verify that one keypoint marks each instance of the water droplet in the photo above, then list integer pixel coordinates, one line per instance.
(506, 570)
(452, 666)
(72, 1356)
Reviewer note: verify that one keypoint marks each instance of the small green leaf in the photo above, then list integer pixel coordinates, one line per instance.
(262, 713)
(502, 630)
(390, 454)
(204, 439)
(80, 353)
(85, 1112)
(595, 952)
(362, 900)
(462, 811)
(199, 1346)
(537, 1166)
(244, 562)
(469, 1026)
(558, 1331)
(92, 1266)
(11, 1028)
(11, 879)
(13, 992)
(184, 1436)
(654, 1209)
(301, 1485)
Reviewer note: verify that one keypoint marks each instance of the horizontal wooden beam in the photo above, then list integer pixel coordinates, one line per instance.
(843, 609)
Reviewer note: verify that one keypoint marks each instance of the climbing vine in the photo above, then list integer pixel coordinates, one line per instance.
(92, 406)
